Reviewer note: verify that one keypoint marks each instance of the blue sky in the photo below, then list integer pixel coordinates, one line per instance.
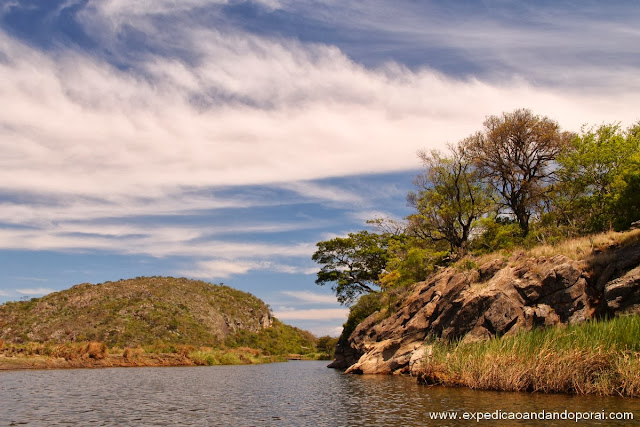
(221, 139)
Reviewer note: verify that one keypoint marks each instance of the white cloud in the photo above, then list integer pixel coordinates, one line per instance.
(87, 145)
(313, 314)
(79, 126)
(160, 242)
(311, 297)
(35, 291)
(223, 268)
(333, 331)
(120, 10)
(3, 293)
(325, 192)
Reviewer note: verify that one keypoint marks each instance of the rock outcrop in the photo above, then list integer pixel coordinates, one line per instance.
(500, 297)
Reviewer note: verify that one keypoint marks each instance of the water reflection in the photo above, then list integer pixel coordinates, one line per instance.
(294, 393)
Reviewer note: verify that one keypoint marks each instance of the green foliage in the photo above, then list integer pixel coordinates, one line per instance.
(627, 204)
(496, 233)
(595, 171)
(450, 198)
(327, 345)
(134, 312)
(352, 264)
(240, 356)
(363, 308)
(410, 261)
(279, 339)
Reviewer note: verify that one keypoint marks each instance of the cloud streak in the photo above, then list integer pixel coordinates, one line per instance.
(35, 291)
(249, 111)
(311, 297)
(313, 314)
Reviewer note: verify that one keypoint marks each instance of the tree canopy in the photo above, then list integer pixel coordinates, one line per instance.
(352, 264)
(517, 182)
(595, 171)
(515, 154)
(450, 198)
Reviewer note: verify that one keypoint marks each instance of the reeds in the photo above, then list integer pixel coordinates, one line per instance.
(593, 358)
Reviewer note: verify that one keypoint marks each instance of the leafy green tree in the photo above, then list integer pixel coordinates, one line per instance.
(516, 155)
(450, 198)
(327, 344)
(598, 176)
(352, 264)
(496, 233)
(411, 261)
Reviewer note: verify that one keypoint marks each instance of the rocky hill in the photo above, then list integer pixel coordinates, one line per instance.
(498, 297)
(140, 311)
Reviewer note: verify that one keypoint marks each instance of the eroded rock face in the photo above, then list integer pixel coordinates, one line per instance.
(496, 299)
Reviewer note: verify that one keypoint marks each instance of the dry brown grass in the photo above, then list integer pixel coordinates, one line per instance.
(583, 247)
(577, 371)
(132, 353)
(95, 350)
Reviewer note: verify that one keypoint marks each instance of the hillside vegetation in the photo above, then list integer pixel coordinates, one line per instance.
(161, 314)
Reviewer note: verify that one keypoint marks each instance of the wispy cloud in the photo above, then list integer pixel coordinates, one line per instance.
(273, 111)
(313, 314)
(160, 243)
(223, 268)
(35, 291)
(311, 297)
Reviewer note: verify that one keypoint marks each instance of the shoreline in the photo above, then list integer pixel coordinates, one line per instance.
(110, 361)
(84, 357)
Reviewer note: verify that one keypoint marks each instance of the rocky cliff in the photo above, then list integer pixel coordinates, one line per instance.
(132, 312)
(499, 297)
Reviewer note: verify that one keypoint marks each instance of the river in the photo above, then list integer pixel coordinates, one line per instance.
(281, 394)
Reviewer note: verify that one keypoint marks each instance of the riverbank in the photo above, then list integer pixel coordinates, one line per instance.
(598, 357)
(97, 355)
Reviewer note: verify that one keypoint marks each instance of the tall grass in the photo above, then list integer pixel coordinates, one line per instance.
(583, 247)
(598, 357)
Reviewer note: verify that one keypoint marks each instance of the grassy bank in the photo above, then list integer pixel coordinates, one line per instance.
(34, 355)
(592, 358)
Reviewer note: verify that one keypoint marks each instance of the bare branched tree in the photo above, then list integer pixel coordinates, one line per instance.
(515, 155)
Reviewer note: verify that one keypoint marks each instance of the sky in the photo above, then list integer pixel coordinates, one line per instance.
(222, 139)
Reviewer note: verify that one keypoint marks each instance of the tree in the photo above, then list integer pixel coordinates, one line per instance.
(516, 154)
(327, 344)
(596, 169)
(449, 200)
(352, 264)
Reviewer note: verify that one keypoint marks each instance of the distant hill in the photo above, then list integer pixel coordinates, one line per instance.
(140, 311)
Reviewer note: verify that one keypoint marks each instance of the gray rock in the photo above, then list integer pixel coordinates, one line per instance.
(501, 298)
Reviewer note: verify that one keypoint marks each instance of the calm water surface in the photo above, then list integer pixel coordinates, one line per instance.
(291, 394)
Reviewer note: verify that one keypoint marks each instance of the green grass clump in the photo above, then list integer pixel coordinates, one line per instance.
(598, 357)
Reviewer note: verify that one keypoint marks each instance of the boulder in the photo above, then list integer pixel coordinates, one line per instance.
(623, 294)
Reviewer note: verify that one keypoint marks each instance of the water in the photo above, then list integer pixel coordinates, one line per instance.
(279, 394)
